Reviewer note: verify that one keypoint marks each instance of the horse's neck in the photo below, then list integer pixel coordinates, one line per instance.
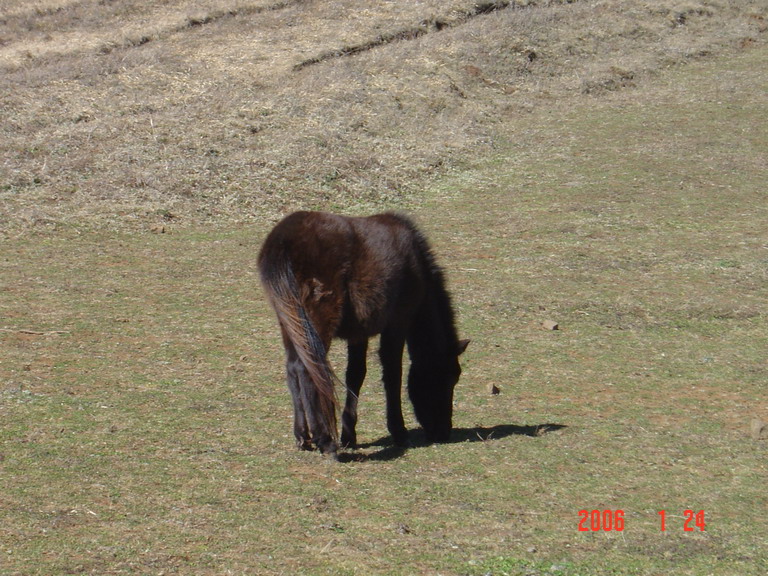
(432, 333)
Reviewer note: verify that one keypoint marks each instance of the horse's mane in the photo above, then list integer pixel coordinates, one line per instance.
(438, 299)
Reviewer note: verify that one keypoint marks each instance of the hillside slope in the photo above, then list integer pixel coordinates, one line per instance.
(132, 113)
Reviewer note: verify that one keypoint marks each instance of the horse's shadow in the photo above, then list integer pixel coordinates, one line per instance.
(387, 450)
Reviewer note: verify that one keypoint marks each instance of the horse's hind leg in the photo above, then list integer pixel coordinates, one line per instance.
(294, 371)
(309, 426)
(319, 427)
(356, 369)
(391, 356)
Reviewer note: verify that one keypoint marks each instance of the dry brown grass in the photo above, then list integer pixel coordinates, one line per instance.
(127, 113)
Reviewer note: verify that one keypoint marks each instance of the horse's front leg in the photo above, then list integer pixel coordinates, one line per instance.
(391, 356)
(356, 369)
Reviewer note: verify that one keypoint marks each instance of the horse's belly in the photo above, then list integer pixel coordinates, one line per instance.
(352, 328)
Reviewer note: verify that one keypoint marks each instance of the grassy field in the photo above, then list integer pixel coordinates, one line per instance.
(601, 165)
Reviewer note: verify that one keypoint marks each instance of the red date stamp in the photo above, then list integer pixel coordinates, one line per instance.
(613, 520)
(692, 520)
(605, 520)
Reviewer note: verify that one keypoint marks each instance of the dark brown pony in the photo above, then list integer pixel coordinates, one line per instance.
(330, 276)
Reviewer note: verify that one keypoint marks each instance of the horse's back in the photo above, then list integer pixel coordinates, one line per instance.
(318, 242)
(360, 273)
(313, 244)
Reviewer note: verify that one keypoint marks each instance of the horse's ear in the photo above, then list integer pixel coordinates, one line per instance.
(463, 346)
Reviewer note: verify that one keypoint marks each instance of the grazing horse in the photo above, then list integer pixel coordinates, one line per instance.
(330, 276)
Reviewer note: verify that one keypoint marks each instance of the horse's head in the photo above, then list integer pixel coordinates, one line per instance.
(430, 387)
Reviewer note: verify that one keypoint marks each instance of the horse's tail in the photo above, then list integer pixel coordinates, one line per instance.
(284, 294)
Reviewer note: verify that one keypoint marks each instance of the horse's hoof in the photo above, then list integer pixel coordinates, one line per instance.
(438, 437)
(348, 442)
(328, 448)
(401, 440)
